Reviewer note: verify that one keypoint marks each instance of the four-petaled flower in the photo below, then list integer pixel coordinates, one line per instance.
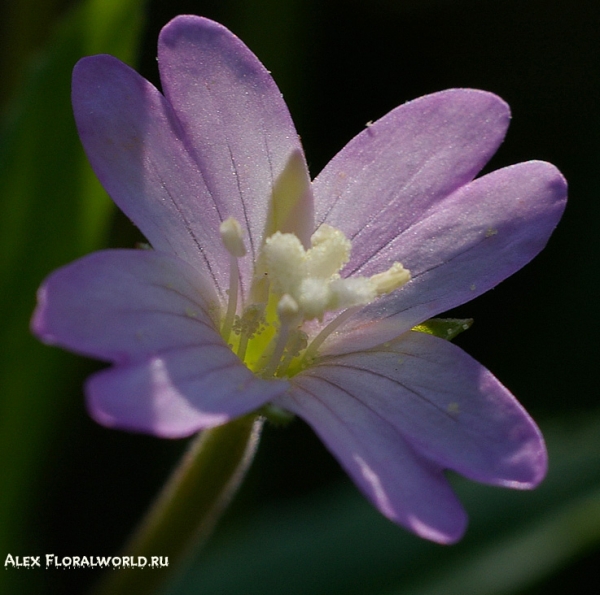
(251, 295)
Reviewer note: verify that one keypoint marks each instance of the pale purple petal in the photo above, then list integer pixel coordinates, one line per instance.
(388, 176)
(153, 315)
(176, 393)
(236, 123)
(402, 485)
(136, 148)
(446, 405)
(121, 305)
(458, 249)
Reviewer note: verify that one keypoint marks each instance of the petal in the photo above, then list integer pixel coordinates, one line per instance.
(121, 305)
(467, 244)
(136, 148)
(154, 316)
(388, 176)
(447, 406)
(401, 484)
(176, 393)
(236, 123)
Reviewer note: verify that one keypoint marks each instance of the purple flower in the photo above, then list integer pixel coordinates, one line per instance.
(252, 296)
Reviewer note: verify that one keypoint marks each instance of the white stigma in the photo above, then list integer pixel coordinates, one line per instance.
(311, 277)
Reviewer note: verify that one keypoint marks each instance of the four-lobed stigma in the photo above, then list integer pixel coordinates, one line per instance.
(303, 284)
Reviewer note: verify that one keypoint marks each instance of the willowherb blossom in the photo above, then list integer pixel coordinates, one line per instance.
(255, 293)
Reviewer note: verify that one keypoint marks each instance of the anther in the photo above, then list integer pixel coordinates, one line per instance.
(247, 325)
(232, 237)
(396, 276)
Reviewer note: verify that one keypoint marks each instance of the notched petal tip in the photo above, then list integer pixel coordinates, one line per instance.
(404, 486)
(447, 528)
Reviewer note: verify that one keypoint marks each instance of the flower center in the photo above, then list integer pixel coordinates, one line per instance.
(294, 285)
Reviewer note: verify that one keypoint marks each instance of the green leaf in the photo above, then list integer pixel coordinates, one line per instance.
(52, 211)
(445, 328)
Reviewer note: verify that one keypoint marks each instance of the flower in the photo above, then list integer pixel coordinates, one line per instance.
(252, 295)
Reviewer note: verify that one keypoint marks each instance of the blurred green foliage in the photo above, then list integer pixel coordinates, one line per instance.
(53, 210)
(337, 544)
(71, 488)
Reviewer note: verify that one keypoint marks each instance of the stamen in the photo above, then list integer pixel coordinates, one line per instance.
(287, 310)
(242, 346)
(234, 275)
(297, 343)
(232, 238)
(314, 345)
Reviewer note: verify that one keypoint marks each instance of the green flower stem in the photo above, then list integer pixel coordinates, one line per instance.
(189, 506)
